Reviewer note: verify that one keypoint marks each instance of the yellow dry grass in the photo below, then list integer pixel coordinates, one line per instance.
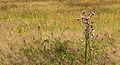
(26, 15)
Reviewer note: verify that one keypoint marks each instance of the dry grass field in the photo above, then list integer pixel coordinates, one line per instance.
(35, 32)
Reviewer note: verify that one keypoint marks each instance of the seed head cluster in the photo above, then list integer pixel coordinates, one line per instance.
(86, 22)
(87, 26)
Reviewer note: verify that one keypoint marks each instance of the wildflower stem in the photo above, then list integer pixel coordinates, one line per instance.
(86, 45)
(85, 52)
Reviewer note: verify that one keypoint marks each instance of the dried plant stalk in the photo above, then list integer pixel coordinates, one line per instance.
(87, 27)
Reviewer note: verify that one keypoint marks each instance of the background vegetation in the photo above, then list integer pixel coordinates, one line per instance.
(36, 32)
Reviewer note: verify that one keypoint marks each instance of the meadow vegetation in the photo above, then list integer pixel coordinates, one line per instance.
(47, 32)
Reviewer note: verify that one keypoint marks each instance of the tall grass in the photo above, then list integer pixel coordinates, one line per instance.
(47, 32)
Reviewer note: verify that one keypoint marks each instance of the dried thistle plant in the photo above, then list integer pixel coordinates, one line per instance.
(86, 24)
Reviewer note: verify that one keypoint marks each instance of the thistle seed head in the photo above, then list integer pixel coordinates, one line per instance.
(83, 12)
(85, 29)
(92, 29)
(89, 14)
(93, 34)
(78, 19)
(86, 22)
(86, 19)
(89, 18)
(78, 49)
(93, 13)
(82, 40)
(91, 49)
(38, 27)
(83, 17)
(91, 25)
(92, 22)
